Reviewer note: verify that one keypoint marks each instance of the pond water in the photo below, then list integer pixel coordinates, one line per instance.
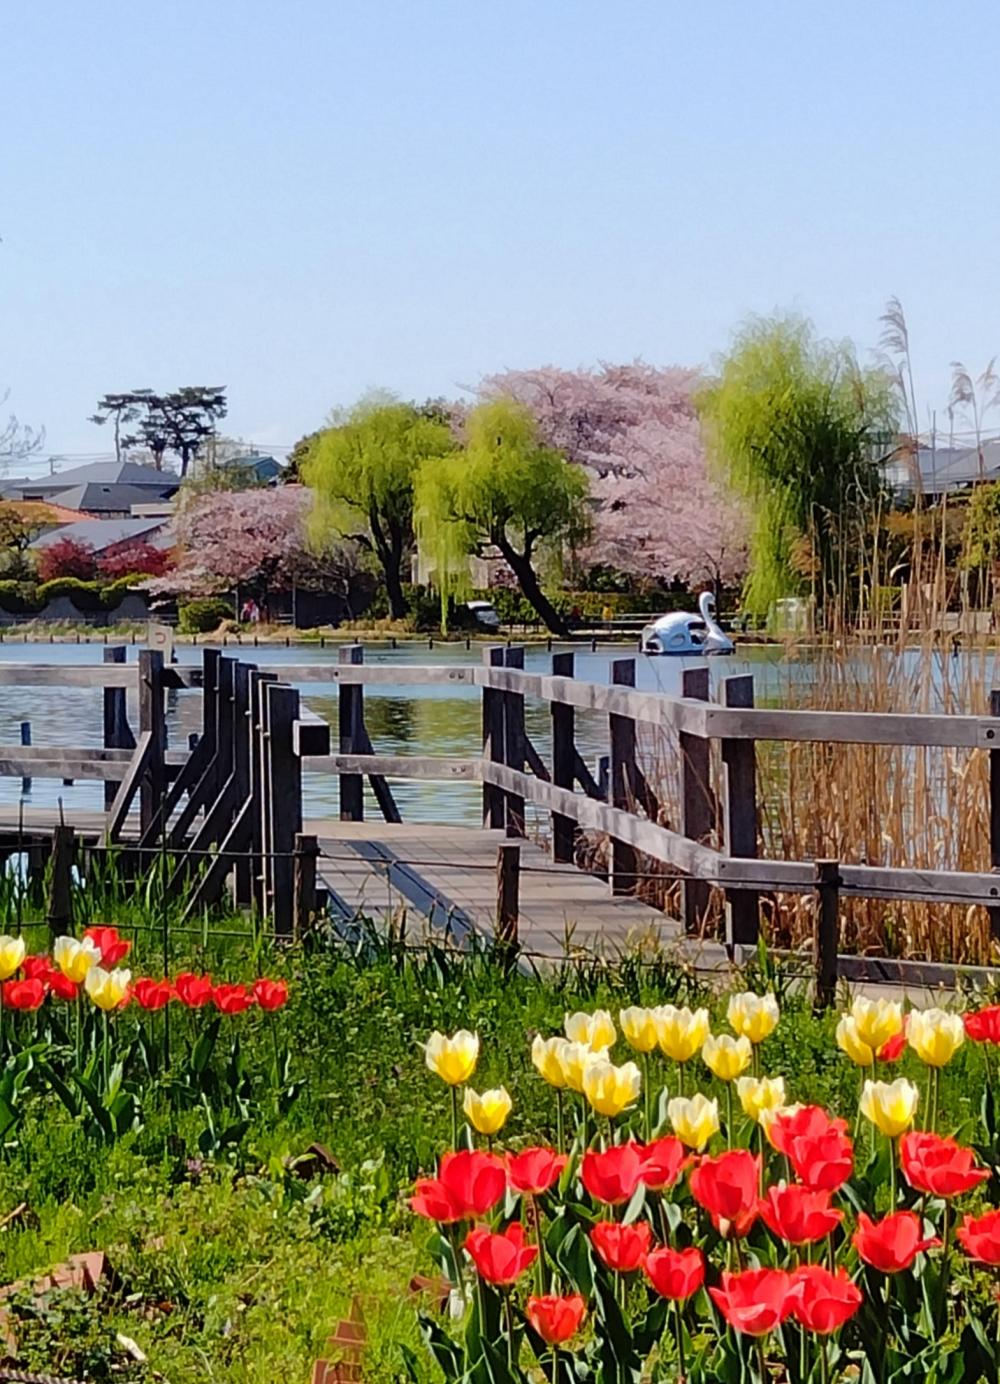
(404, 719)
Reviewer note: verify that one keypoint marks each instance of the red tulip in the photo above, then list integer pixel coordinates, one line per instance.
(36, 967)
(893, 1048)
(809, 1122)
(232, 999)
(892, 1244)
(193, 990)
(663, 1162)
(533, 1171)
(800, 1215)
(152, 994)
(980, 1237)
(556, 1319)
(621, 1247)
(817, 1147)
(112, 947)
(823, 1301)
(468, 1184)
(613, 1176)
(983, 1025)
(271, 994)
(61, 986)
(24, 994)
(726, 1186)
(755, 1301)
(675, 1274)
(937, 1166)
(500, 1259)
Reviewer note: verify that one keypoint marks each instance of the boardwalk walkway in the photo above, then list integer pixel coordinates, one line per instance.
(446, 877)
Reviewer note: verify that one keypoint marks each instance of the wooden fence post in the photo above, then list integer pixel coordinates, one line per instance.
(513, 724)
(351, 715)
(242, 752)
(260, 826)
(61, 883)
(740, 764)
(26, 740)
(697, 807)
(304, 884)
(152, 719)
(622, 779)
(564, 829)
(117, 735)
(508, 897)
(493, 741)
(827, 931)
(285, 811)
(994, 913)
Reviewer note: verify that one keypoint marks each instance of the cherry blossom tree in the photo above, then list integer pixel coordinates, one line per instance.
(657, 513)
(252, 539)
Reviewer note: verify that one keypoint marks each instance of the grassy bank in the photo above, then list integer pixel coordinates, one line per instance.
(233, 1264)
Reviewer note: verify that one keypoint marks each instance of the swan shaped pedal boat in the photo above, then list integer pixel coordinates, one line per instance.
(683, 633)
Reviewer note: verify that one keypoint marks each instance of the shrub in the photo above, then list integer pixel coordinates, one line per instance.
(85, 595)
(67, 557)
(19, 598)
(203, 615)
(139, 559)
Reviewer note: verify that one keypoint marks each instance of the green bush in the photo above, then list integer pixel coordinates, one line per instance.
(19, 597)
(203, 615)
(85, 595)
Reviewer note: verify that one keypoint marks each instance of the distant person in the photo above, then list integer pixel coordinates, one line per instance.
(250, 615)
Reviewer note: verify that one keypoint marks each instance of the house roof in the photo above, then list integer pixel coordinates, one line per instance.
(944, 469)
(131, 473)
(101, 534)
(263, 467)
(98, 498)
(54, 513)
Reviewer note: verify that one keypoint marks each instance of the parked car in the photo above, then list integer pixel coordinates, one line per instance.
(484, 614)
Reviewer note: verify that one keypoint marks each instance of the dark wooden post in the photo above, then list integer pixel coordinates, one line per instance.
(740, 764)
(827, 932)
(493, 741)
(351, 716)
(622, 779)
(285, 812)
(25, 740)
(260, 831)
(508, 896)
(513, 729)
(117, 735)
(61, 883)
(696, 797)
(243, 874)
(304, 884)
(564, 829)
(152, 719)
(994, 913)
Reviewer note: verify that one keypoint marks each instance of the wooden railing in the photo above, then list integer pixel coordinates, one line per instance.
(236, 794)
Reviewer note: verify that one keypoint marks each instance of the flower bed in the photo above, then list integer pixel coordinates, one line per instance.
(726, 1234)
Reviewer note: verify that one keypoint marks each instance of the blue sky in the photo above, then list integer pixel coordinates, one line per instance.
(308, 199)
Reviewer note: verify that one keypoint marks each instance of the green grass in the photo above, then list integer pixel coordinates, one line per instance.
(237, 1269)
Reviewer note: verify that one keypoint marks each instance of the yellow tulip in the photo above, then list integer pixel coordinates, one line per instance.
(575, 1059)
(107, 988)
(546, 1054)
(768, 1117)
(596, 1031)
(876, 1021)
(12, 951)
(849, 1040)
(680, 1032)
(639, 1028)
(75, 958)
(487, 1113)
(754, 1017)
(890, 1105)
(452, 1059)
(935, 1035)
(694, 1121)
(611, 1089)
(727, 1057)
(757, 1096)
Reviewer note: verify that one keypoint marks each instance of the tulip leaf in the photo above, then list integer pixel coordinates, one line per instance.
(634, 1209)
(201, 1053)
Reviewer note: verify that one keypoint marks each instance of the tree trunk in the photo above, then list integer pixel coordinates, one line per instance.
(528, 582)
(398, 607)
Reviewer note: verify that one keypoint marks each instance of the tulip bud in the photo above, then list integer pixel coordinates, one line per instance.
(546, 1055)
(639, 1028)
(680, 1032)
(611, 1089)
(727, 1057)
(876, 1021)
(12, 953)
(935, 1035)
(107, 988)
(753, 1016)
(757, 1096)
(452, 1059)
(595, 1031)
(75, 958)
(694, 1121)
(487, 1113)
(849, 1040)
(891, 1106)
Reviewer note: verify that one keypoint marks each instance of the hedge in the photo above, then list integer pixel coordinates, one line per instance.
(30, 598)
(204, 615)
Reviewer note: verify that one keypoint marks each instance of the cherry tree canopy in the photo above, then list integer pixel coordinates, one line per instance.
(657, 513)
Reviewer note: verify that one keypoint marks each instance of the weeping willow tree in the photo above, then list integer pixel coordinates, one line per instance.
(361, 472)
(797, 429)
(506, 489)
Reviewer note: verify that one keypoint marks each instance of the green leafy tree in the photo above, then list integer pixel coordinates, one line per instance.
(361, 472)
(981, 536)
(795, 427)
(506, 489)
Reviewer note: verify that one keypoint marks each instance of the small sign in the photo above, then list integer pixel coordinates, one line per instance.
(161, 637)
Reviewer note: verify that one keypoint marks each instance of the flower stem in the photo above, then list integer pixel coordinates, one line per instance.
(646, 1097)
(104, 1048)
(454, 1117)
(761, 1362)
(509, 1314)
(729, 1114)
(892, 1174)
(560, 1132)
(824, 1360)
(555, 1365)
(680, 1341)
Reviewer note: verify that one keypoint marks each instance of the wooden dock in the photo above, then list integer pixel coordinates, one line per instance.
(443, 879)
